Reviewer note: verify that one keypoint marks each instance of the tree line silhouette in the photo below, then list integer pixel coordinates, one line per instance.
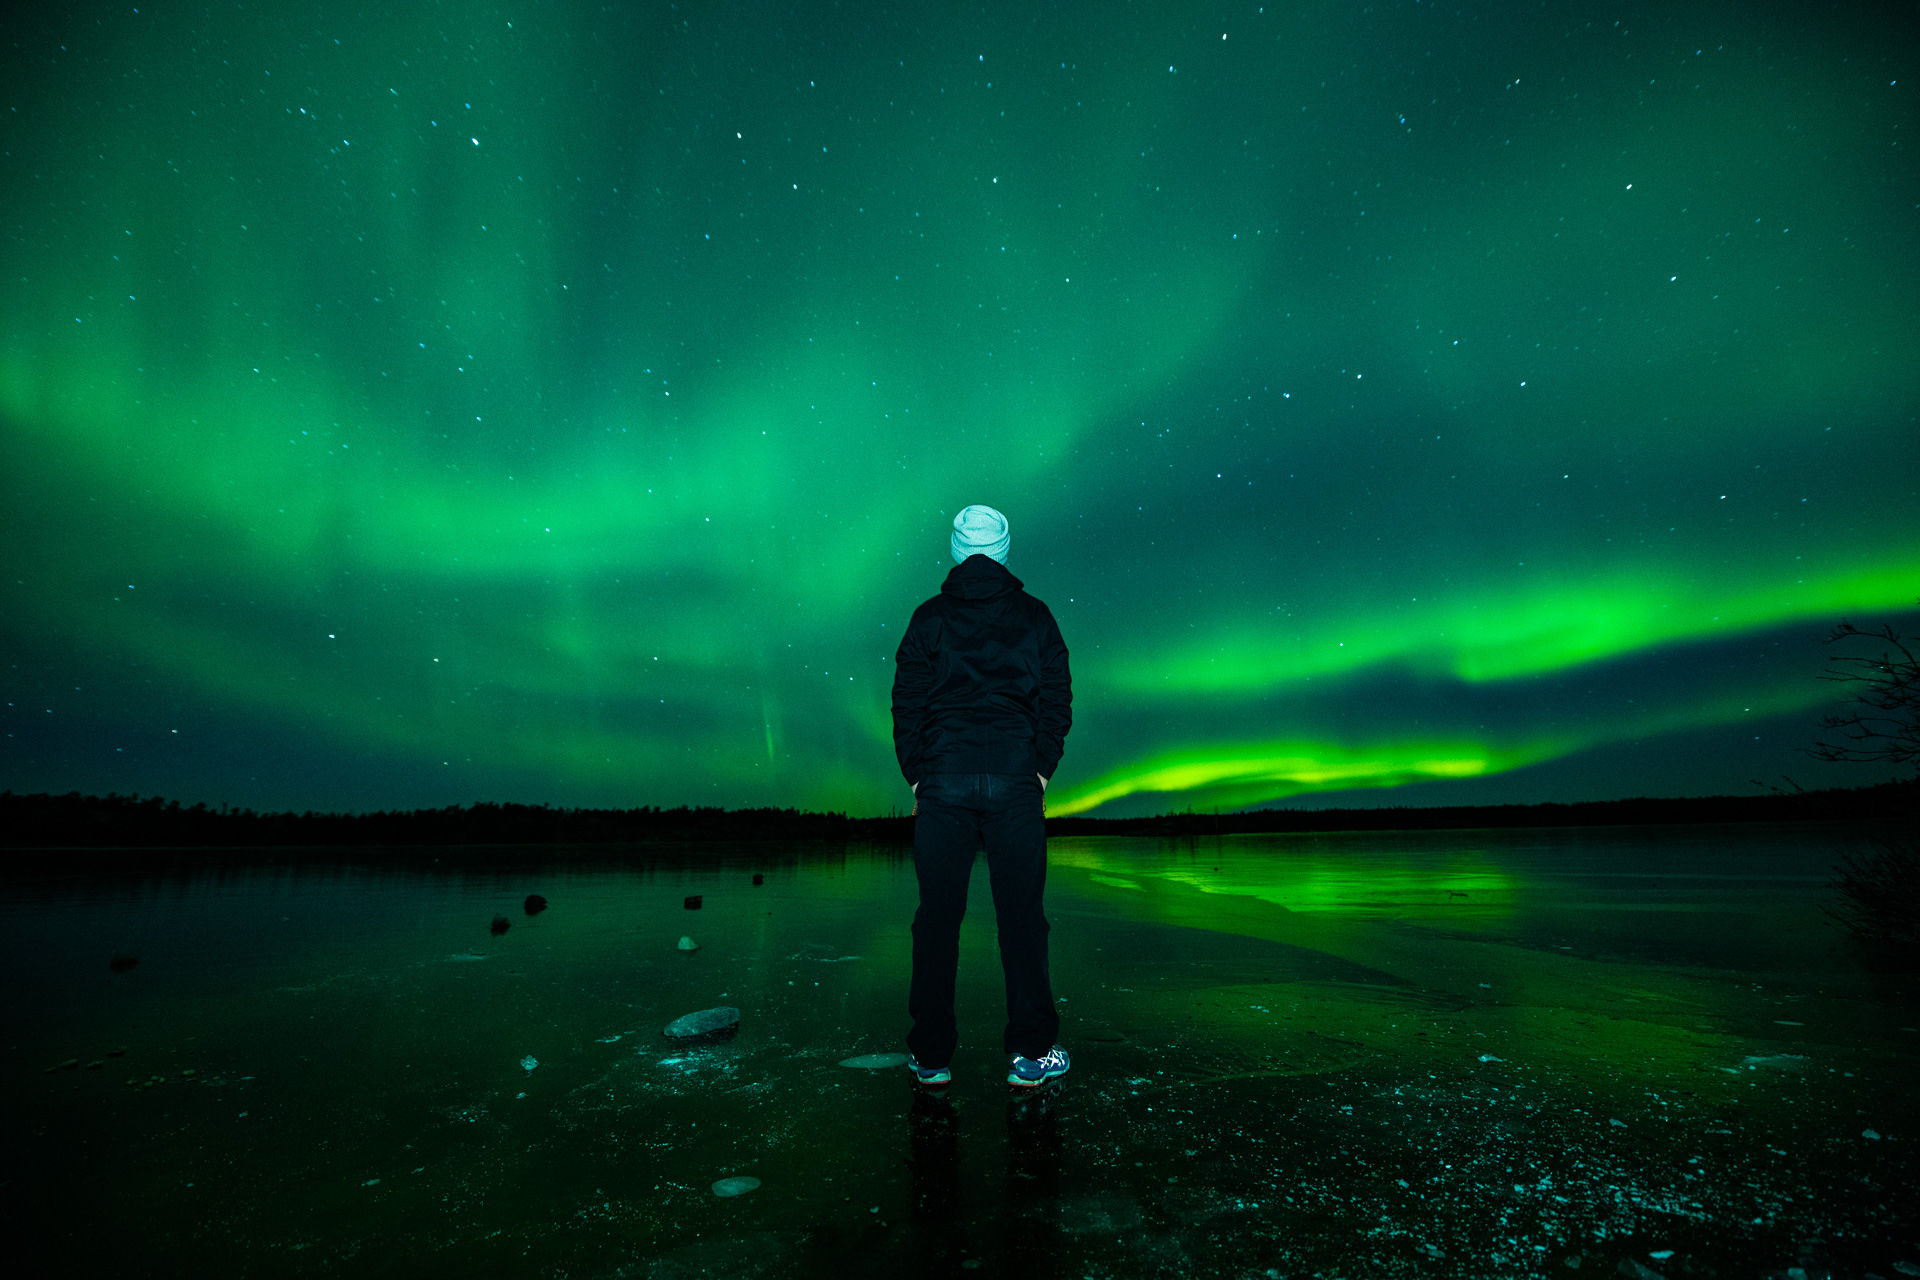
(116, 821)
(113, 821)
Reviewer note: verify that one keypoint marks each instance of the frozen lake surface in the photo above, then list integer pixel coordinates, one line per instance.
(1556, 1053)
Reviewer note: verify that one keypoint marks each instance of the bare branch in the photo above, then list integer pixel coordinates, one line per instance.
(1885, 727)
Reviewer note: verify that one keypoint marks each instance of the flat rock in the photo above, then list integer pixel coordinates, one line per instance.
(735, 1186)
(707, 1024)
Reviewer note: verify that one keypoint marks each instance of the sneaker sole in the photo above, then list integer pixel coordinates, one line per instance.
(1021, 1082)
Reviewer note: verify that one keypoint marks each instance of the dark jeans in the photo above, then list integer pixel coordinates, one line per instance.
(958, 814)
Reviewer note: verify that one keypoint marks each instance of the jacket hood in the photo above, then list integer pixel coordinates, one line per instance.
(979, 578)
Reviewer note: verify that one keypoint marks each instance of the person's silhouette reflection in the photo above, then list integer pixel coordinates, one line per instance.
(933, 1155)
(1032, 1188)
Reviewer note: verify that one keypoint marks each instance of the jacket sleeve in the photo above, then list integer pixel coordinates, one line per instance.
(912, 685)
(1056, 698)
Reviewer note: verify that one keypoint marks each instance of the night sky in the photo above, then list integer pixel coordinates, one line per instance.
(1408, 403)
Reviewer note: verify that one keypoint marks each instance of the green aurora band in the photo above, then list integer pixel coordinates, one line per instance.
(564, 406)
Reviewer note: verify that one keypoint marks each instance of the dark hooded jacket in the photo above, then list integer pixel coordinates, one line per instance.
(980, 682)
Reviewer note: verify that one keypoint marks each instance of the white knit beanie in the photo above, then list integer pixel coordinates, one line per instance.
(980, 531)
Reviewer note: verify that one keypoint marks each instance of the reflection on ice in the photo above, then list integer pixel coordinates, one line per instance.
(708, 1062)
(875, 1061)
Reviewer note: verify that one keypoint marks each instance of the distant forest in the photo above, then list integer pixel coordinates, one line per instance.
(117, 821)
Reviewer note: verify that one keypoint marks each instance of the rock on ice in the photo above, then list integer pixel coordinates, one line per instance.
(715, 1023)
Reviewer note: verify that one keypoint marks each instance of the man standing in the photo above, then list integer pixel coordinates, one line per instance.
(982, 702)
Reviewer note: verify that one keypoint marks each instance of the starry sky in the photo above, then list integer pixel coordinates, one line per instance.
(413, 404)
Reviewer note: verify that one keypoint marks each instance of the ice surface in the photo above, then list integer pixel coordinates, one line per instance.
(1278, 1052)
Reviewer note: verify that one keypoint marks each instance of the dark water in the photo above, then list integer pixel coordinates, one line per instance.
(1465, 1053)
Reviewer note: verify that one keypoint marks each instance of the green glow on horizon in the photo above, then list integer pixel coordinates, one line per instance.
(1232, 776)
(1270, 772)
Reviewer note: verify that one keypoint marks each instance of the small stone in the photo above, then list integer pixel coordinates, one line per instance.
(188, 1072)
(529, 1062)
(535, 904)
(500, 925)
(117, 1052)
(692, 901)
(68, 1065)
(735, 1186)
(1871, 1135)
(96, 1064)
(122, 962)
(688, 944)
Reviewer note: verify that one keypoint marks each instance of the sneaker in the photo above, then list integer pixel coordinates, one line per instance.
(1032, 1071)
(929, 1076)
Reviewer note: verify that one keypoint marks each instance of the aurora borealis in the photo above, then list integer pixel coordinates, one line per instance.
(1410, 403)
